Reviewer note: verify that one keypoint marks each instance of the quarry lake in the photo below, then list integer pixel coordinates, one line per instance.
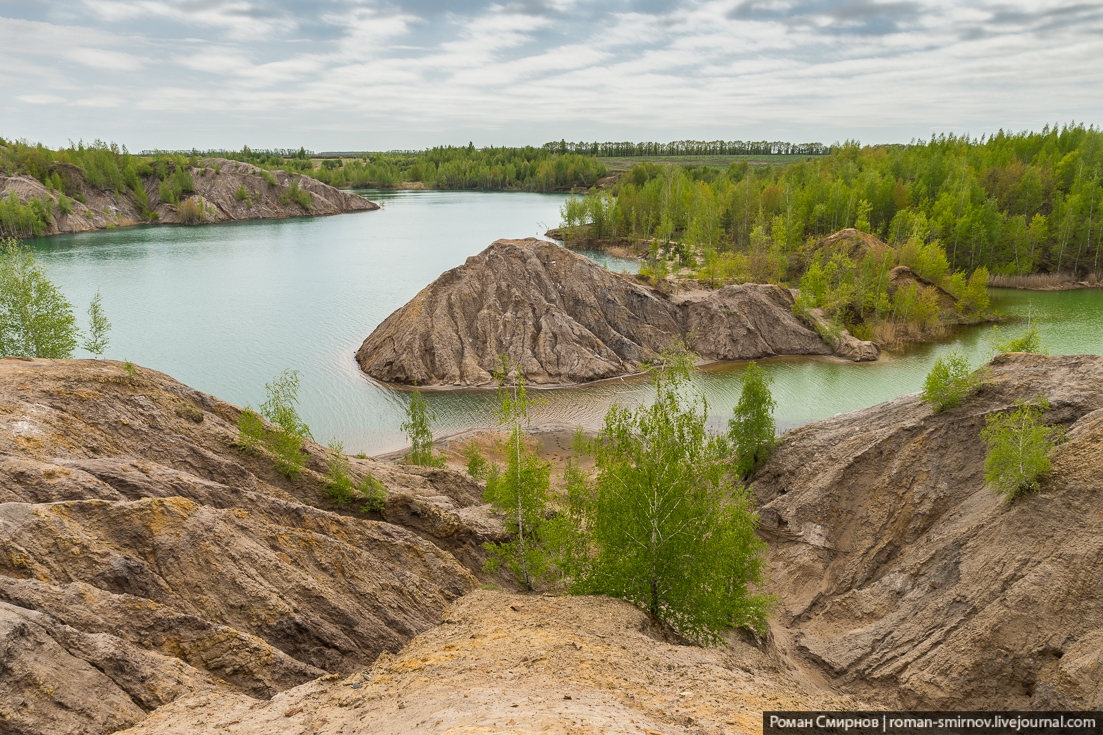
(225, 308)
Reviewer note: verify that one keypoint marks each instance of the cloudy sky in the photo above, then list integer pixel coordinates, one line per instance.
(386, 74)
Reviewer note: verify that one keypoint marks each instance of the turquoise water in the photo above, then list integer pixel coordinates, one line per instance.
(224, 308)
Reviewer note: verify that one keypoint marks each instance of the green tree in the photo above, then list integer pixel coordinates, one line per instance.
(418, 428)
(1019, 448)
(280, 408)
(36, 320)
(521, 490)
(98, 327)
(751, 428)
(975, 296)
(948, 382)
(660, 524)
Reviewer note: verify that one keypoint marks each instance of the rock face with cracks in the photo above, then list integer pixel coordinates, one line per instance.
(908, 582)
(563, 319)
(144, 556)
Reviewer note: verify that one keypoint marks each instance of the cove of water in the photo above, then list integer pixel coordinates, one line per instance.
(225, 308)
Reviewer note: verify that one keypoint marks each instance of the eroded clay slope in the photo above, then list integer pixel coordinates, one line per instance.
(143, 555)
(564, 319)
(217, 184)
(502, 663)
(904, 578)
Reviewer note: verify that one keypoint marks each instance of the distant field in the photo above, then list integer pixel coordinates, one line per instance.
(617, 164)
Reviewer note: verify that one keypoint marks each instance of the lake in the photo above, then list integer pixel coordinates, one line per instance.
(225, 308)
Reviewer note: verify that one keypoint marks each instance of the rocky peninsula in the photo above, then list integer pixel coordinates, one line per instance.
(225, 191)
(564, 319)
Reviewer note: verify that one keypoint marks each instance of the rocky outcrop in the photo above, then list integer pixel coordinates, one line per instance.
(144, 556)
(564, 319)
(903, 578)
(217, 184)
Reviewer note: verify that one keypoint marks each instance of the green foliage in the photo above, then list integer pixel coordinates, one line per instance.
(168, 194)
(660, 524)
(23, 220)
(36, 320)
(949, 381)
(98, 327)
(251, 434)
(1029, 341)
(268, 178)
(520, 491)
(975, 296)
(1011, 202)
(295, 194)
(285, 442)
(1019, 448)
(418, 429)
(241, 194)
(372, 494)
(478, 467)
(191, 212)
(338, 481)
(751, 428)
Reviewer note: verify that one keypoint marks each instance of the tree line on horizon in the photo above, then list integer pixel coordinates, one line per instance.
(628, 149)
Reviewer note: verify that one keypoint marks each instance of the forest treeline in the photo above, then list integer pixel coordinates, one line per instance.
(1014, 203)
(691, 148)
(442, 167)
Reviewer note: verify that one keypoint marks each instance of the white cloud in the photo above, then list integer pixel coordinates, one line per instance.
(103, 59)
(330, 74)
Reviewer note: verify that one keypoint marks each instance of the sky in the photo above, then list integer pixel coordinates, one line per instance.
(333, 75)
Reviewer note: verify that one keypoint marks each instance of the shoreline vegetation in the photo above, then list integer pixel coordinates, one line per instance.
(847, 285)
(101, 187)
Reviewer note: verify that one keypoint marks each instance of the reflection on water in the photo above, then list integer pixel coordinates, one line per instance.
(224, 308)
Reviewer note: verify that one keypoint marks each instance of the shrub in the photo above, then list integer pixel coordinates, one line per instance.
(477, 463)
(286, 442)
(36, 320)
(520, 492)
(98, 327)
(975, 295)
(373, 494)
(948, 382)
(241, 193)
(168, 193)
(1019, 448)
(417, 427)
(660, 525)
(268, 177)
(338, 481)
(1029, 341)
(191, 213)
(751, 428)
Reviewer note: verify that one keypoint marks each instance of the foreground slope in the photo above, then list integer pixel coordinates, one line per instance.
(144, 556)
(564, 319)
(502, 663)
(907, 581)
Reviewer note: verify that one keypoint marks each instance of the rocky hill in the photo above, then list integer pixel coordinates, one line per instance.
(564, 319)
(143, 555)
(905, 580)
(218, 185)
